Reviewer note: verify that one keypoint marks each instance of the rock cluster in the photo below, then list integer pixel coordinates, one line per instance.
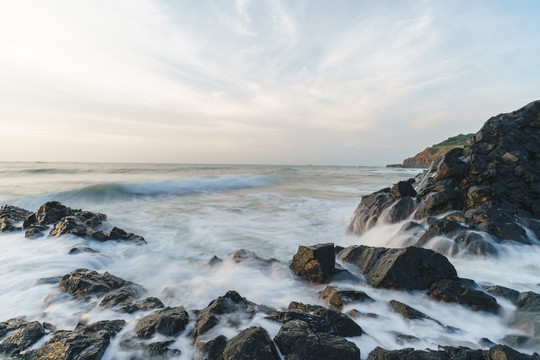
(491, 186)
(64, 220)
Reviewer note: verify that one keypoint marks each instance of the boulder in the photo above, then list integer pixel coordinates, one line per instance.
(408, 312)
(336, 298)
(296, 340)
(464, 293)
(87, 342)
(168, 322)
(245, 256)
(48, 213)
(35, 231)
(211, 350)
(71, 225)
(10, 216)
(124, 299)
(507, 293)
(84, 282)
(251, 343)
(409, 268)
(27, 334)
(314, 263)
(319, 319)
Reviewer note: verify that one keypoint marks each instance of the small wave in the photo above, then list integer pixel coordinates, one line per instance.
(184, 186)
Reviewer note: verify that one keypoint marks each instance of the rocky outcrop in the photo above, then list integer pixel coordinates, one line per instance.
(296, 340)
(251, 343)
(168, 322)
(84, 282)
(315, 263)
(493, 183)
(10, 216)
(410, 268)
(25, 334)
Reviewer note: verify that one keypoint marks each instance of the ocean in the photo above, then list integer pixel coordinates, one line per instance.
(188, 213)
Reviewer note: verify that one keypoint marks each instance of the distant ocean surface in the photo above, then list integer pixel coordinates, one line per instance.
(188, 213)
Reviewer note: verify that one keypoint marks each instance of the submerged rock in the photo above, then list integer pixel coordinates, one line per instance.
(336, 298)
(410, 268)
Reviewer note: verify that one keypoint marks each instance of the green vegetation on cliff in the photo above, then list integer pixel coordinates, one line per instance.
(424, 158)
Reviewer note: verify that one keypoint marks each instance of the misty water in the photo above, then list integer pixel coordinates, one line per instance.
(188, 213)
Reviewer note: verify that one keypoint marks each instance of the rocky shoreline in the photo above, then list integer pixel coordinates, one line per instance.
(475, 199)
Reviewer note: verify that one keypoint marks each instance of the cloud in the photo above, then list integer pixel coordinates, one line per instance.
(272, 80)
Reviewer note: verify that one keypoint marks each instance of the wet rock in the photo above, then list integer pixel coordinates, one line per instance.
(475, 243)
(244, 256)
(451, 166)
(48, 213)
(403, 339)
(314, 263)
(161, 349)
(296, 340)
(230, 303)
(22, 338)
(446, 353)
(458, 291)
(503, 352)
(319, 319)
(410, 268)
(124, 299)
(35, 231)
(402, 188)
(48, 280)
(336, 298)
(521, 341)
(359, 314)
(211, 350)
(408, 312)
(214, 260)
(168, 322)
(251, 343)
(368, 211)
(435, 203)
(85, 342)
(84, 282)
(71, 225)
(527, 315)
(11, 325)
(10, 216)
(81, 249)
(117, 234)
(507, 293)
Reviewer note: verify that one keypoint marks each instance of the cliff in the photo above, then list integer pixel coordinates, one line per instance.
(423, 159)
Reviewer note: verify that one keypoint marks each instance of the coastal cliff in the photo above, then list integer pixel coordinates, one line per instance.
(424, 158)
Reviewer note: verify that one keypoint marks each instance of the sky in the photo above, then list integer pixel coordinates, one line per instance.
(341, 82)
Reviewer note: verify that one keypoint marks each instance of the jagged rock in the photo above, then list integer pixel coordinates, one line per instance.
(117, 234)
(507, 293)
(168, 321)
(296, 340)
(84, 282)
(319, 319)
(11, 215)
(23, 337)
(503, 352)
(314, 263)
(229, 303)
(408, 312)
(402, 339)
(162, 349)
(211, 350)
(463, 293)
(521, 341)
(35, 231)
(336, 298)
(410, 268)
(48, 213)
(85, 342)
(71, 225)
(251, 343)
(243, 256)
(124, 299)
(402, 188)
(494, 180)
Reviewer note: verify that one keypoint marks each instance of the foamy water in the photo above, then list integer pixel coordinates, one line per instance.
(187, 213)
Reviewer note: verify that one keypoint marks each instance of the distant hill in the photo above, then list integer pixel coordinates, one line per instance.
(423, 159)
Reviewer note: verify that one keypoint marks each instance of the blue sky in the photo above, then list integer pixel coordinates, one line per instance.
(264, 81)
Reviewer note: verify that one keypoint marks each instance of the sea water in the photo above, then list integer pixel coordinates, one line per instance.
(188, 213)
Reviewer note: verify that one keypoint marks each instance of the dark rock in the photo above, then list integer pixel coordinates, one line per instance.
(35, 231)
(503, 352)
(48, 213)
(314, 263)
(527, 315)
(251, 343)
(451, 166)
(71, 225)
(507, 293)
(11, 325)
(85, 342)
(457, 291)
(22, 338)
(319, 319)
(168, 321)
(408, 312)
(485, 342)
(402, 188)
(161, 349)
(521, 341)
(211, 350)
(296, 340)
(214, 260)
(410, 268)
(81, 249)
(406, 354)
(124, 299)
(11, 215)
(359, 314)
(436, 203)
(118, 234)
(48, 280)
(403, 339)
(475, 243)
(84, 282)
(336, 298)
(244, 256)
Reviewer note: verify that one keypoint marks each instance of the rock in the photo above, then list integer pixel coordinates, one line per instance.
(243, 256)
(83, 282)
(35, 231)
(168, 322)
(161, 349)
(446, 353)
(211, 350)
(85, 342)
(214, 260)
(460, 292)
(451, 166)
(410, 268)
(296, 340)
(408, 312)
(503, 352)
(251, 343)
(48, 213)
(527, 315)
(314, 263)
(71, 225)
(507, 293)
(11, 215)
(22, 338)
(403, 339)
(117, 234)
(319, 319)
(402, 188)
(521, 341)
(336, 298)
(435, 203)
(123, 299)
(81, 249)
